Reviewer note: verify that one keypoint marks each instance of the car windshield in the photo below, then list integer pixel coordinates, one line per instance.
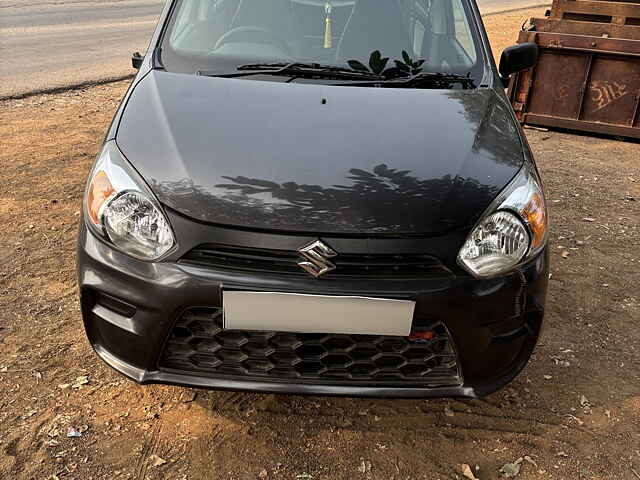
(384, 38)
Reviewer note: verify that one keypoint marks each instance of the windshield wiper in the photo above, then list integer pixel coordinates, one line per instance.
(431, 79)
(296, 70)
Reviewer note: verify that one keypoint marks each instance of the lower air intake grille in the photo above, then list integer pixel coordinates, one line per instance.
(198, 344)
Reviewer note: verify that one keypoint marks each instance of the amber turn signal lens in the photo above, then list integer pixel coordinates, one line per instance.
(100, 189)
(536, 216)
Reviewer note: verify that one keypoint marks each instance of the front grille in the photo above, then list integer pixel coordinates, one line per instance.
(199, 344)
(286, 261)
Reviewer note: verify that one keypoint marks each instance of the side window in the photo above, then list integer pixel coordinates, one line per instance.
(418, 38)
(199, 23)
(418, 13)
(462, 30)
(185, 17)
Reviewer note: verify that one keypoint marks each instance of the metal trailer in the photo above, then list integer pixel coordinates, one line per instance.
(588, 73)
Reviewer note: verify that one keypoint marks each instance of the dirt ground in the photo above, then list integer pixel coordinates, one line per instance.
(574, 413)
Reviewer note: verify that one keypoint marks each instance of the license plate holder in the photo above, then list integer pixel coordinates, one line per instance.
(302, 313)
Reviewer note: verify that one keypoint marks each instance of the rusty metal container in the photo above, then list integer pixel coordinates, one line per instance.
(594, 29)
(598, 18)
(581, 82)
(597, 11)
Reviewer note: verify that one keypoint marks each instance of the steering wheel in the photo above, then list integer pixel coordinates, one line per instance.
(272, 37)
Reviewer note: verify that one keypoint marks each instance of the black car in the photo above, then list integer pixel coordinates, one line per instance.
(309, 196)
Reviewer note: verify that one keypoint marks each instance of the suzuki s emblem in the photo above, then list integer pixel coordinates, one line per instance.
(317, 257)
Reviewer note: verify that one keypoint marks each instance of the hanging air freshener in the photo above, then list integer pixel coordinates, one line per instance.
(328, 36)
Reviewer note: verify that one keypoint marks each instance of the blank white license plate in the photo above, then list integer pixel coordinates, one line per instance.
(293, 312)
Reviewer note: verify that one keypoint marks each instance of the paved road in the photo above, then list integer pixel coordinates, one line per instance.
(46, 44)
(497, 6)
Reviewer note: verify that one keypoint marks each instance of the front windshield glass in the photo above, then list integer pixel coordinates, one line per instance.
(383, 37)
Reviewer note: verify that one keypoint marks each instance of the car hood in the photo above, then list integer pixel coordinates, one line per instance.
(318, 158)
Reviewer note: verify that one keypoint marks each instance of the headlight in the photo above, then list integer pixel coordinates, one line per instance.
(513, 228)
(121, 209)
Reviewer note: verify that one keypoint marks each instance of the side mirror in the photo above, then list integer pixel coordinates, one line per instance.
(136, 60)
(517, 58)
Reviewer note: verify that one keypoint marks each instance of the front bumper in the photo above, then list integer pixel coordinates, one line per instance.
(129, 308)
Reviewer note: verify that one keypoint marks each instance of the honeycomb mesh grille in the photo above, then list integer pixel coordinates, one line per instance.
(199, 344)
